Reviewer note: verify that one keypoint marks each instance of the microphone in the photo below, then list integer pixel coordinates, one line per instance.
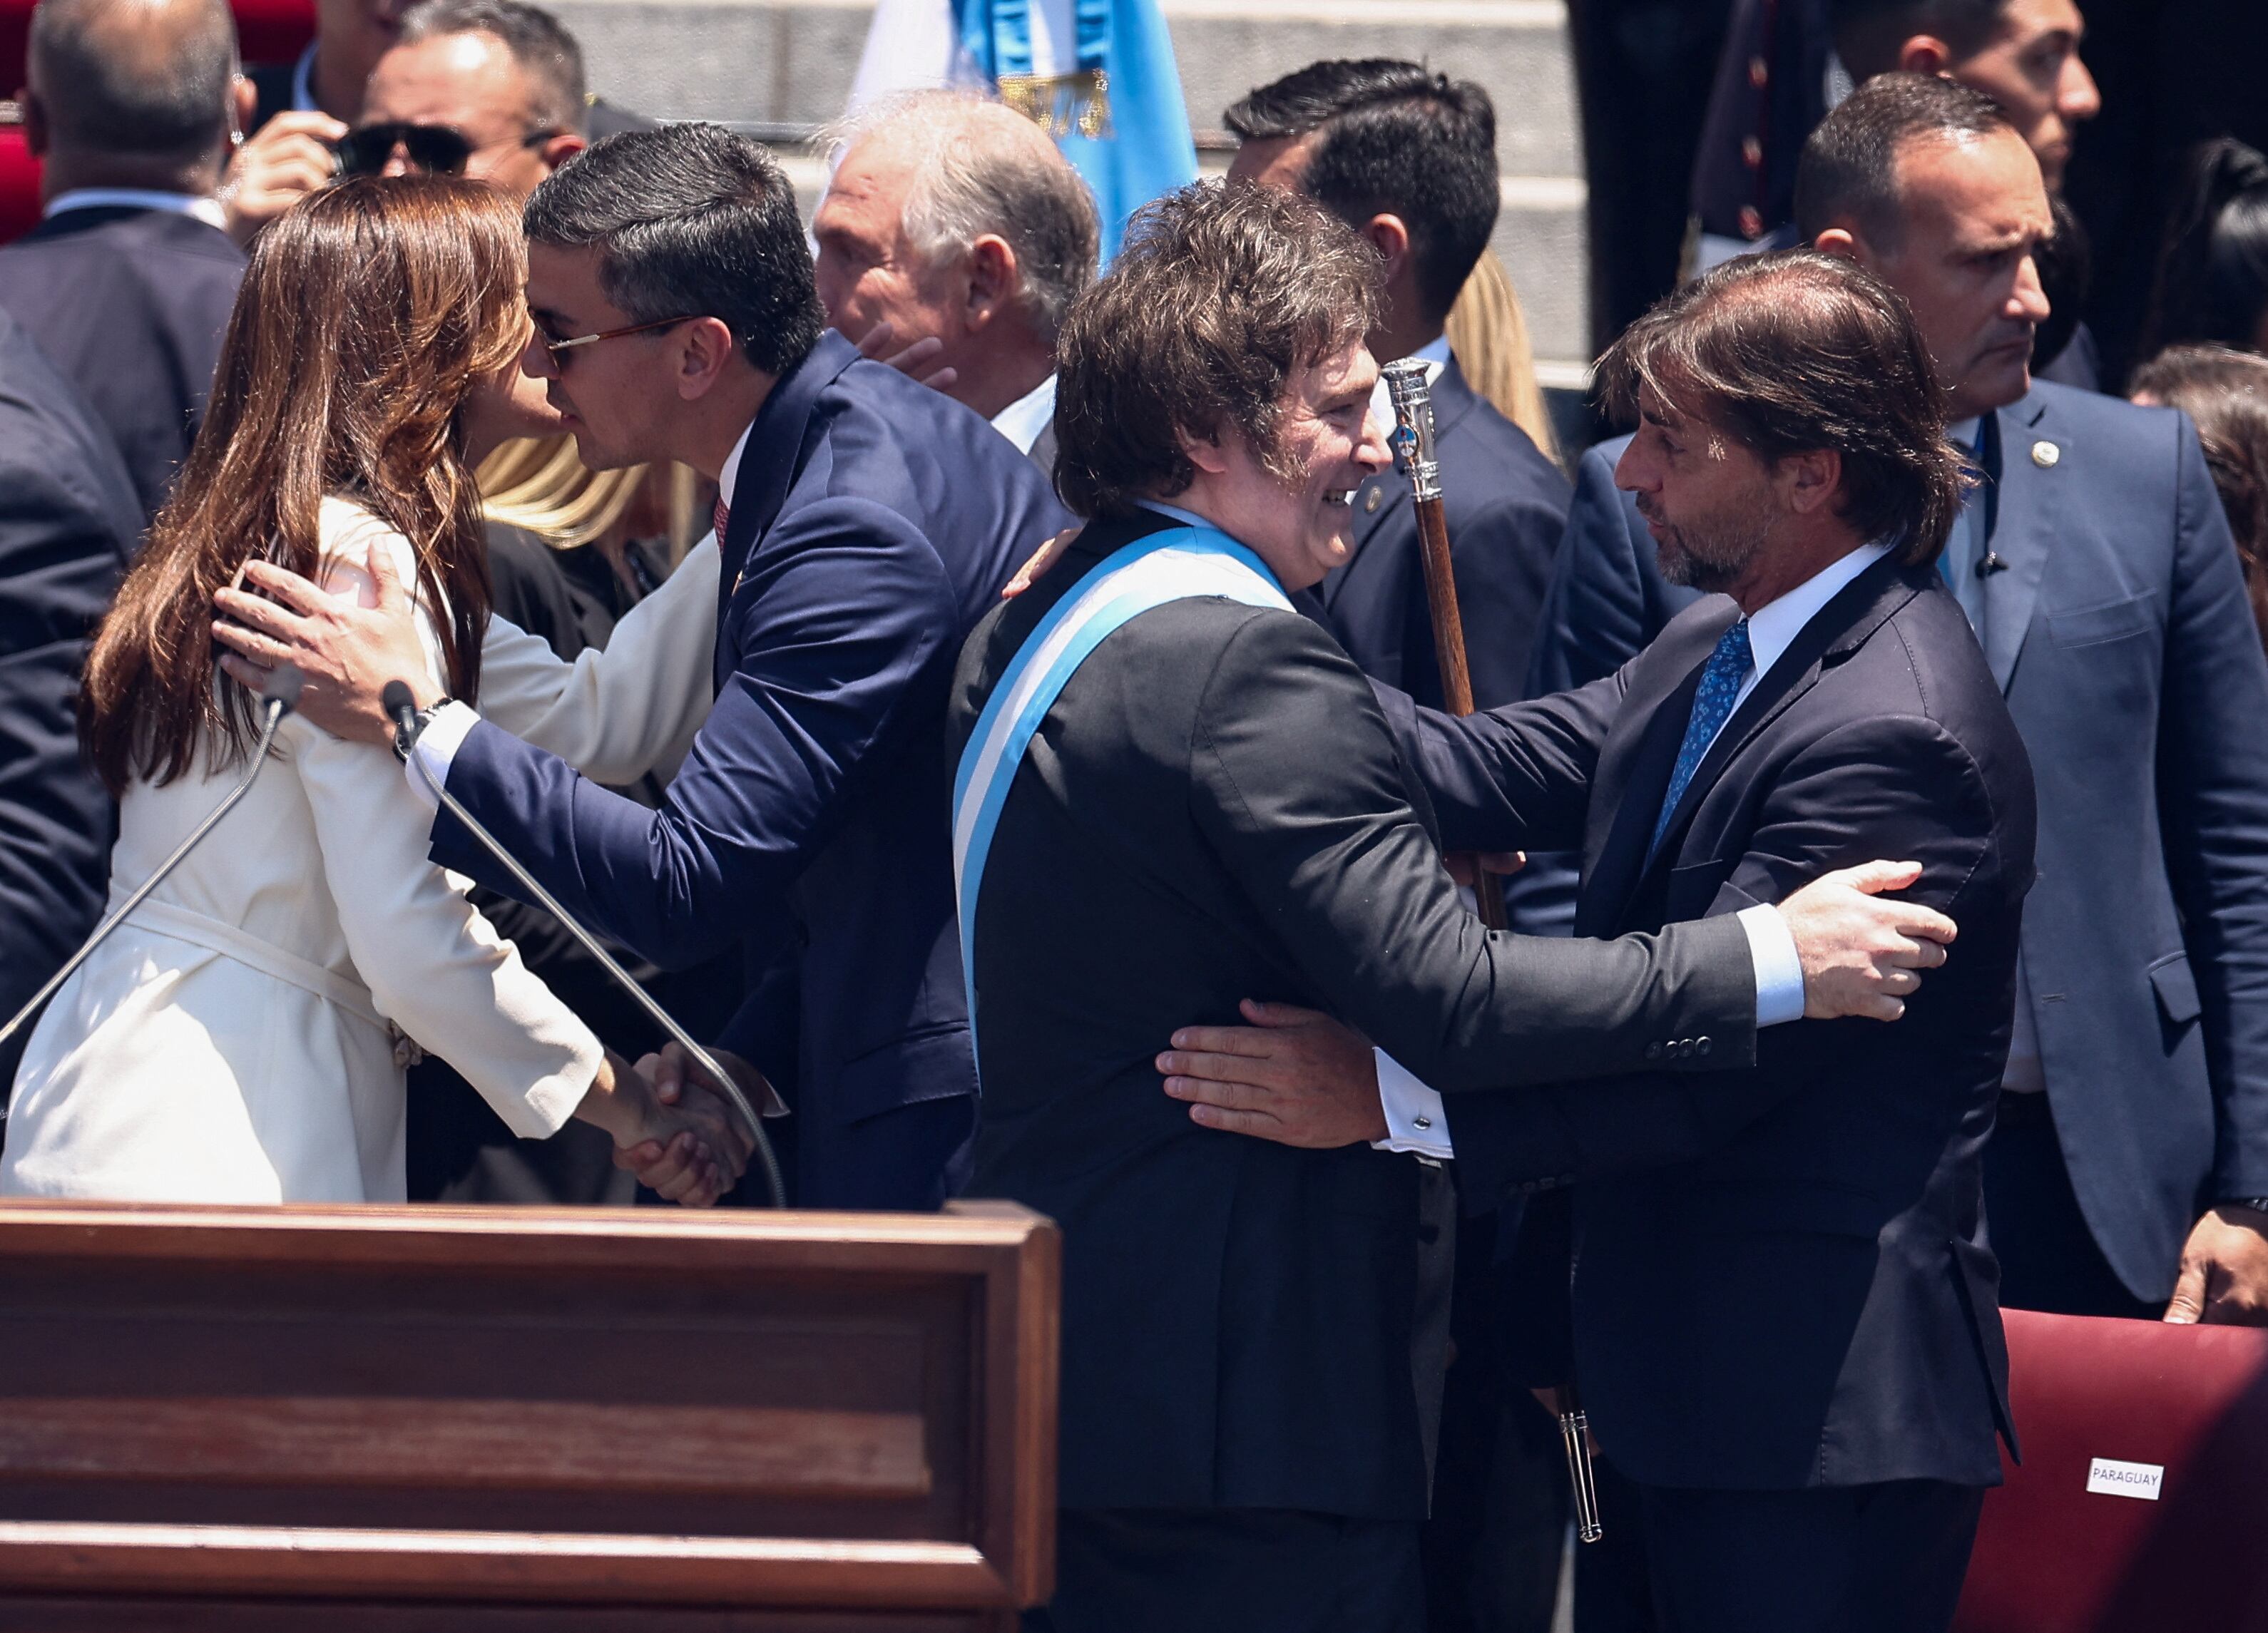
(401, 708)
(278, 696)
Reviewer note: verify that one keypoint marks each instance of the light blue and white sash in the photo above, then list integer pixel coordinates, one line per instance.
(1169, 566)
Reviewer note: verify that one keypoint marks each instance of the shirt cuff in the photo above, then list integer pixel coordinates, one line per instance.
(1779, 969)
(1416, 1121)
(436, 748)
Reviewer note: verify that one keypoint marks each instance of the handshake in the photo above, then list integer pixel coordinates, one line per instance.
(679, 1134)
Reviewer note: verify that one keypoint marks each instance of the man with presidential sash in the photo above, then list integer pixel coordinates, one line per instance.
(1174, 794)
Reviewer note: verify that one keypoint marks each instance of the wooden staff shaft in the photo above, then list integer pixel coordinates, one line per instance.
(1413, 411)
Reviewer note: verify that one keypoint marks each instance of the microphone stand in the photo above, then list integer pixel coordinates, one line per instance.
(278, 698)
(399, 704)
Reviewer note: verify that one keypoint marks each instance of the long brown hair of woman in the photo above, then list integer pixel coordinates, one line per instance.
(2225, 393)
(368, 316)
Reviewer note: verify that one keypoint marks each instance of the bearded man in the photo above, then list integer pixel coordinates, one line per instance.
(1784, 1311)
(1188, 797)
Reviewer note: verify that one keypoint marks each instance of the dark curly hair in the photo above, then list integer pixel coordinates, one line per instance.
(1220, 294)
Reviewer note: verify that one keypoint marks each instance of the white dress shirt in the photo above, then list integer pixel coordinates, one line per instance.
(1022, 420)
(204, 208)
(1416, 1120)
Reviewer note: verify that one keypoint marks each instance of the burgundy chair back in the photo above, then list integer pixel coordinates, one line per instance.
(267, 31)
(2142, 1501)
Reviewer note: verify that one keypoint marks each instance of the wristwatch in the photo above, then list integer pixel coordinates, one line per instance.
(404, 742)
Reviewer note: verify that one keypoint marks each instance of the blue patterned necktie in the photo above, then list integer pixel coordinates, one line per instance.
(1712, 705)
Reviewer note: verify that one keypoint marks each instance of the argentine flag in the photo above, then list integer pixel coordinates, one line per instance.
(1098, 75)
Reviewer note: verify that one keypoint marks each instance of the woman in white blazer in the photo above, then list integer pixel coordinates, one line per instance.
(242, 1037)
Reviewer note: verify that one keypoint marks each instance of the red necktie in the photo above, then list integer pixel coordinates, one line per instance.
(723, 512)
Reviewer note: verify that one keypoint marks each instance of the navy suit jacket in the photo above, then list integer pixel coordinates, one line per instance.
(1781, 1283)
(873, 523)
(69, 521)
(131, 304)
(1505, 504)
(2120, 633)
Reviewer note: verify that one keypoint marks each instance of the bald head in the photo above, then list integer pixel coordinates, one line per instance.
(141, 80)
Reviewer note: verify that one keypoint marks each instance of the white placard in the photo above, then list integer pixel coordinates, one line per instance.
(2113, 1478)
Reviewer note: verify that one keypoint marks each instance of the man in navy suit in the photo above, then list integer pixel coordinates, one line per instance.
(127, 281)
(866, 523)
(1784, 1314)
(2130, 1167)
(68, 522)
(1406, 157)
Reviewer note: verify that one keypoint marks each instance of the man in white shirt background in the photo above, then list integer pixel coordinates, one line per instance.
(959, 225)
(127, 281)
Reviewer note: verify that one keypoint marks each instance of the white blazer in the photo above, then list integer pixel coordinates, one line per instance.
(235, 1040)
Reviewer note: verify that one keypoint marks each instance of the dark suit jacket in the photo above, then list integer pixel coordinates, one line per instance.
(1212, 811)
(1781, 1284)
(2120, 633)
(873, 525)
(1753, 134)
(131, 304)
(1505, 504)
(68, 521)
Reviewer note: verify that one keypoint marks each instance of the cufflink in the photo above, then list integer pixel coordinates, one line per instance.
(1421, 1123)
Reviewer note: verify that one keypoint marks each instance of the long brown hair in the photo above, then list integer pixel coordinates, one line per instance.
(2225, 392)
(368, 316)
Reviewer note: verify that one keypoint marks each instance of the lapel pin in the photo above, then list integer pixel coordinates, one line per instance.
(1992, 563)
(2044, 454)
(1371, 500)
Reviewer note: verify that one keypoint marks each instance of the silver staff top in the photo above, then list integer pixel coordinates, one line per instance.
(1413, 426)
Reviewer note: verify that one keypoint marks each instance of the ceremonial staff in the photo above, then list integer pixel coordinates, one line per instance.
(1413, 448)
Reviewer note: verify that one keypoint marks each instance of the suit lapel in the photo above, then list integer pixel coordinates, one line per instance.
(775, 452)
(2024, 530)
(1837, 630)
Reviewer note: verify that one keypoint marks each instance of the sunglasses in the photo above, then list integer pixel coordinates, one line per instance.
(434, 150)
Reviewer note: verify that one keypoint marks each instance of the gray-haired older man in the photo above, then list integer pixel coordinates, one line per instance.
(956, 223)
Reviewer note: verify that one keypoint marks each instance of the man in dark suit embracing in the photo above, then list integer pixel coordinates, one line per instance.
(1173, 793)
(1784, 1315)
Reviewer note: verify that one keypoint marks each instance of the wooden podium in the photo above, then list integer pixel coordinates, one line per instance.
(377, 1420)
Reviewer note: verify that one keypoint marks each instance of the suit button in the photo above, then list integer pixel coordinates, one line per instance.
(1654, 1051)
(1704, 1045)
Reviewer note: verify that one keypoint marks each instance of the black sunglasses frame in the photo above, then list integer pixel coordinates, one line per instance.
(434, 149)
